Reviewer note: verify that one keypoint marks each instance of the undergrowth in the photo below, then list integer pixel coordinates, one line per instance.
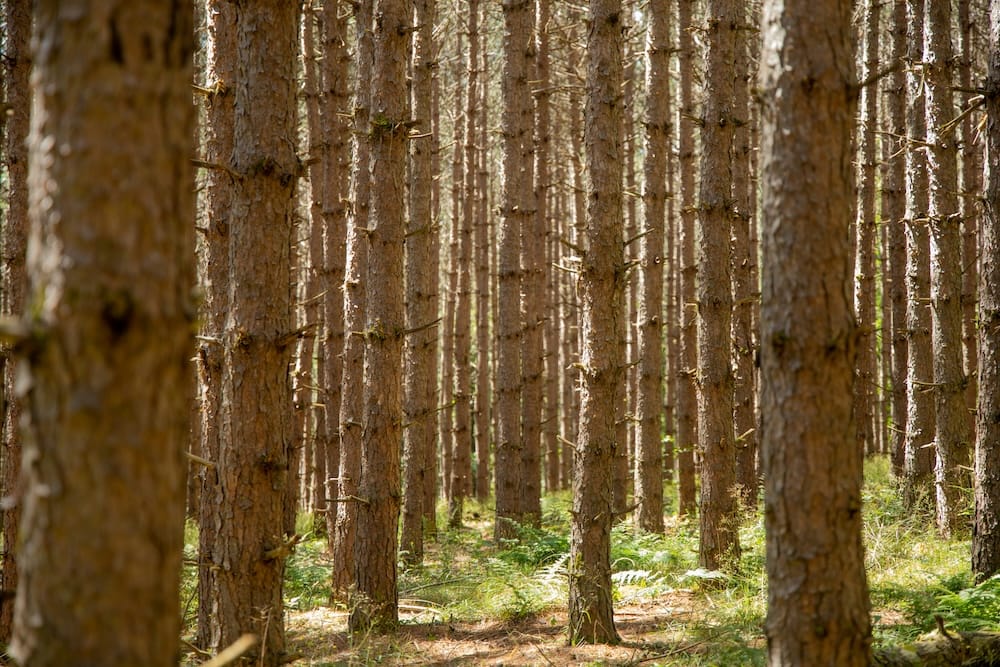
(913, 575)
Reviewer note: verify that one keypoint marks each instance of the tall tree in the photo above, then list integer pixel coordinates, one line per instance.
(986, 525)
(719, 523)
(254, 450)
(602, 287)
(812, 465)
(111, 265)
(216, 193)
(918, 456)
(649, 401)
(356, 263)
(16, 74)
(516, 209)
(893, 215)
(687, 393)
(376, 604)
(953, 434)
(420, 390)
(484, 258)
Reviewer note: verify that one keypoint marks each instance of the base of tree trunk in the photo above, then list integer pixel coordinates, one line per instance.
(981, 649)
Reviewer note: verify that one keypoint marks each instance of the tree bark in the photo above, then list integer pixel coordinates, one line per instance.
(375, 603)
(111, 252)
(953, 434)
(602, 285)
(986, 523)
(812, 464)
(649, 401)
(16, 73)
(719, 524)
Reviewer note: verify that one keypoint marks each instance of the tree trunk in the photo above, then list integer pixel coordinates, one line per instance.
(112, 272)
(649, 458)
(918, 457)
(214, 269)
(719, 524)
(420, 391)
(894, 216)
(256, 437)
(515, 210)
(16, 72)
(375, 604)
(986, 525)
(602, 285)
(349, 470)
(953, 435)
(812, 465)
(484, 326)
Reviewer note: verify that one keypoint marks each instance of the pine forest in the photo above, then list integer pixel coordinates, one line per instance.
(499, 332)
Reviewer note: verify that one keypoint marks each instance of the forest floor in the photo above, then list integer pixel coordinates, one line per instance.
(473, 603)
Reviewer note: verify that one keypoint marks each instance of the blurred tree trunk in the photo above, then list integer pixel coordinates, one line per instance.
(214, 270)
(112, 272)
(986, 525)
(375, 597)
(602, 285)
(649, 401)
(356, 263)
(16, 74)
(420, 393)
(918, 457)
(953, 435)
(812, 465)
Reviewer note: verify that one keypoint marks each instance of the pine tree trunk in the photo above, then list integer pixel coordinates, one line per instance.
(420, 391)
(256, 438)
(649, 458)
(719, 525)
(986, 524)
(953, 435)
(687, 397)
(484, 325)
(214, 272)
(602, 286)
(375, 605)
(111, 265)
(918, 457)
(812, 466)
(515, 211)
(16, 75)
(349, 470)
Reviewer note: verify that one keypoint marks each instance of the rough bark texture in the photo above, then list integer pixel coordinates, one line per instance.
(864, 264)
(256, 437)
(16, 74)
(375, 602)
(953, 434)
(354, 318)
(893, 215)
(484, 320)
(817, 592)
(601, 285)
(336, 155)
(217, 191)
(986, 526)
(746, 293)
(515, 212)
(918, 458)
(649, 401)
(110, 256)
(687, 396)
(719, 524)
(420, 393)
